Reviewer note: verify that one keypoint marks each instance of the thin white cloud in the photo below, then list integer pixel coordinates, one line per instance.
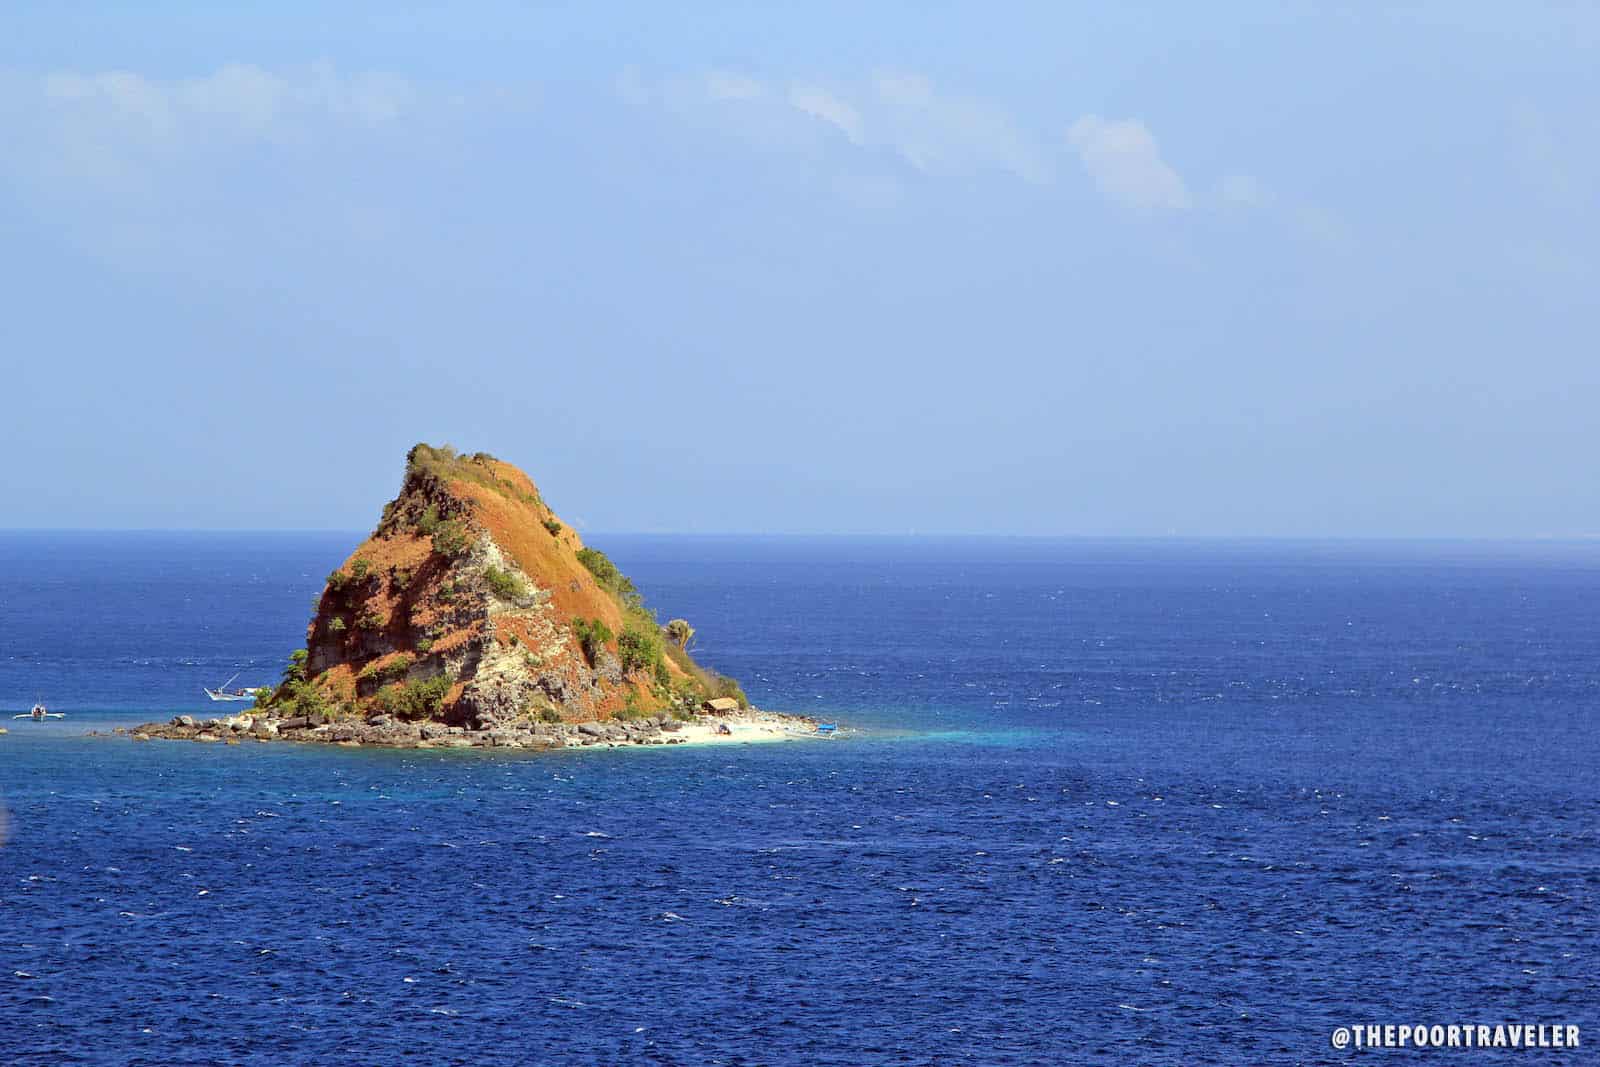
(137, 169)
(1122, 158)
(239, 97)
(722, 85)
(939, 132)
(124, 98)
(1246, 196)
(114, 126)
(895, 112)
(821, 104)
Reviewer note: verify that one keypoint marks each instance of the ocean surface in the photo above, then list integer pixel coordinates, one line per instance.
(1136, 802)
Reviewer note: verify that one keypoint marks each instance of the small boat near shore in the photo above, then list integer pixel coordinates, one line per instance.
(223, 693)
(821, 729)
(39, 713)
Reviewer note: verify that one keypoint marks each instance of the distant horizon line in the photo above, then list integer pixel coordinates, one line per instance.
(864, 535)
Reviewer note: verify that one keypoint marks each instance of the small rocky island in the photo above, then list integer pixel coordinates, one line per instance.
(474, 617)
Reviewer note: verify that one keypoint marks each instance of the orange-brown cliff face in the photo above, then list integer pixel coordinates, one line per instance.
(472, 604)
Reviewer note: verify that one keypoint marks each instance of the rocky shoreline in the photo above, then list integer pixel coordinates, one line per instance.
(385, 731)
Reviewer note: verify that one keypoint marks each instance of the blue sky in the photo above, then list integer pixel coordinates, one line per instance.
(1216, 270)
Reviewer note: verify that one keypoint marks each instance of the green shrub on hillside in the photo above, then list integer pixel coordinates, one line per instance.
(342, 579)
(553, 526)
(391, 699)
(446, 464)
(296, 670)
(605, 572)
(296, 695)
(504, 584)
(387, 670)
(727, 687)
(687, 690)
(639, 647)
(593, 636)
(414, 700)
(302, 698)
(450, 539)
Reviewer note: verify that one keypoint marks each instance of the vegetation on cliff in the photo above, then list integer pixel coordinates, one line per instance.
(472, 603)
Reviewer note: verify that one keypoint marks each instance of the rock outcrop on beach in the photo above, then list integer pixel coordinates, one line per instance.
(473, 606)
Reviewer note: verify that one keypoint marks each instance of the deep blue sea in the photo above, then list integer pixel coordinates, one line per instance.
(1137, 802)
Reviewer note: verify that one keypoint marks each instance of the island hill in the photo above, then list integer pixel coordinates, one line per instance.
(474, 616)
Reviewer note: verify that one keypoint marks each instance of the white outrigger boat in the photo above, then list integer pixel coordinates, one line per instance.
(40, 713)
(222, 692)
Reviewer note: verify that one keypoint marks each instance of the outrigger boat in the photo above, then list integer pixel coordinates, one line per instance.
(222, 692)
(821, 729)
(40, 713)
